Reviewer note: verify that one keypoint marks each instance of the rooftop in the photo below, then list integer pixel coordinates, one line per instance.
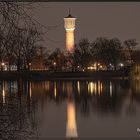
(69, 16)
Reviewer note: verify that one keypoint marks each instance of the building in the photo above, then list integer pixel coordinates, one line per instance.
(69, 23)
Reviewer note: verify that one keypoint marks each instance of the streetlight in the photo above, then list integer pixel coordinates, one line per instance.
(121, 64)
(54, 63)
(29, 65)
(2, 65)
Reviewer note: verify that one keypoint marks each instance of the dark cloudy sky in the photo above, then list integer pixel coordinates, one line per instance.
(106, 19)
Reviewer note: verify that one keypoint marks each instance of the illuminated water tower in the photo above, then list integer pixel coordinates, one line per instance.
(69, 23)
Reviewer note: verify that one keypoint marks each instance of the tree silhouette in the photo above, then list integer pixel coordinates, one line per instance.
(130, 45)
(19, 35)
(107, 51)
(82, 53)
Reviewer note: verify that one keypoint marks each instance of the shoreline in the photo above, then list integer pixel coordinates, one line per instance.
(47, 75)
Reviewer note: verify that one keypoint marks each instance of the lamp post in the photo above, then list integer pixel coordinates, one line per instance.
(2, 65)
(29, 65)
(54, 64)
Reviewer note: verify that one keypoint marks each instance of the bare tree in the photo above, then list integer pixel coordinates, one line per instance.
(82, 54)
(107, 51)
(30, 46)
(130, 45)
(19, 34)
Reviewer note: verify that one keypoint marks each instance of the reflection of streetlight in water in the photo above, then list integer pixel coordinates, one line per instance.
(3, 93)
(30, 89)
(55, 91)
(95, 87)
(71, 128)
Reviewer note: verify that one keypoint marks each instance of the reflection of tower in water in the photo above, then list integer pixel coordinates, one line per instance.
(71, 128)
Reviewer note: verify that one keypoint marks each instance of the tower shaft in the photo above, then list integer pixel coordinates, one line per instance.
(70, 40)
(69, 24)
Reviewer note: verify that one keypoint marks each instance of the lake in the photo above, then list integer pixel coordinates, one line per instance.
(83, 109)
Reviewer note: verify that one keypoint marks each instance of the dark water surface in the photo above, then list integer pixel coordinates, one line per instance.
(70, 109)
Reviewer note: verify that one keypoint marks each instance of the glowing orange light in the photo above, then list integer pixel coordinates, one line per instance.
(71, 120)
(95, 87)
(70, 40)
(69, 24)
(3, 93)
(30, 90)
(78, 87)
(55, 92)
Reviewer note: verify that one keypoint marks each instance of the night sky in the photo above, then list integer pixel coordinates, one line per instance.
(102, 19)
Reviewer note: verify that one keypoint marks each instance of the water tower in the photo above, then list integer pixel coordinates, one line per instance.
(69, 23)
